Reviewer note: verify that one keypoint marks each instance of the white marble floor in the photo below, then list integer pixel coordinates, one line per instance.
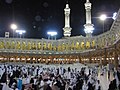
(104, 80)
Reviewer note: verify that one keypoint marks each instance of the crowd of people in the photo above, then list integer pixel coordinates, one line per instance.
(115, 83)
(23, 77)
(35, 77)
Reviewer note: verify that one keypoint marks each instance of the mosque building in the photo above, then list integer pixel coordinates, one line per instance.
(101, 49)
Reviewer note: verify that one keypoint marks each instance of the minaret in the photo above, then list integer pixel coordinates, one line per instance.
(67, 28)
(88, 27)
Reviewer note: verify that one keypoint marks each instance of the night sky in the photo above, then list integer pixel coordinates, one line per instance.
(39, 16)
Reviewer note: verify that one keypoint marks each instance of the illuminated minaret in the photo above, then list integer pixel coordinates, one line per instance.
(88, 27)
(67, 28)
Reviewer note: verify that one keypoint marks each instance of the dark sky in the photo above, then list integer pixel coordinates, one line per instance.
(39, 16)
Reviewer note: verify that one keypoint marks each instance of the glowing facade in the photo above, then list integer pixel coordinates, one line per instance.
(101, 49)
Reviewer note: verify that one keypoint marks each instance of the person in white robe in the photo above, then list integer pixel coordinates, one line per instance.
(5, 86)
(97, 85)
(84, 87)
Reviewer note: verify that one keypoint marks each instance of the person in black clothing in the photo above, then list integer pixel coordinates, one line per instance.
(12, 80)
(90, 87)
(31, 81)
(3, 78)
(58, 83)
(112, 85)
(118, 75)
(1, 86)
(57, 71)
(18, 72)
(47, 87)
(79, 85)
(62, 85)
(69, 69)
(109, 75)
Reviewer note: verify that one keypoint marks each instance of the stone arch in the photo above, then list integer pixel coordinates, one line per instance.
(39, 45)
(23, 46)
(29, 46)
(18, 45)
(93, 44)
(87, 44)
(77, 45)
(1, 45)
(82, 45)
(7, 45)
(13, 45)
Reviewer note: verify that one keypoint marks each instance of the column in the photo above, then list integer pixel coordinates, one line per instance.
(105, 56)
(90, 61)
(31, 60)
(116, 62)
(25, 59)
(79, 58)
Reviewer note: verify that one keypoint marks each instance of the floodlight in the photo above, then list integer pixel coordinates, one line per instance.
(13, 26)
(103, 17)
(52, 33)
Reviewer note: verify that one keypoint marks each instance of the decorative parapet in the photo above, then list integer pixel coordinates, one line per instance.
(76, 44)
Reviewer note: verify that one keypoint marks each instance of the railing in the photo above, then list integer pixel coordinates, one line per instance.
(44, 51)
